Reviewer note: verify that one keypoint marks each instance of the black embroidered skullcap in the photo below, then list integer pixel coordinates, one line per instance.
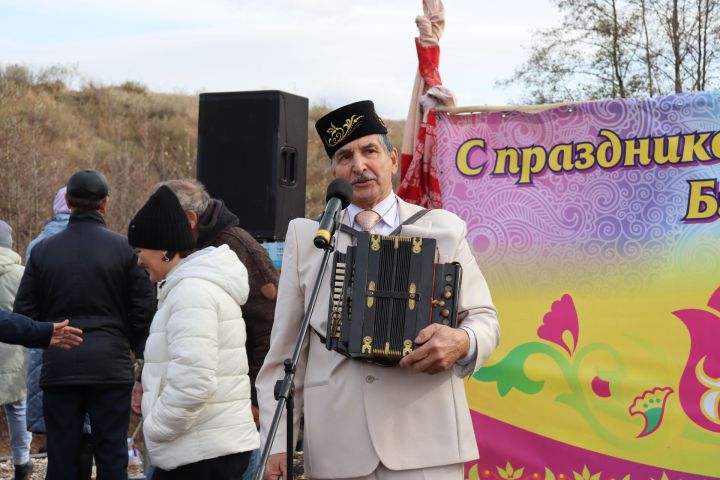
(161, 224)
(348, 123)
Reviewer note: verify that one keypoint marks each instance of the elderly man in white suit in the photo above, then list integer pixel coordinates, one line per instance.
(364, 421)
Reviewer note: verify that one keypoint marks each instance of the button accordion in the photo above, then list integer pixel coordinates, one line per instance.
(385, 290)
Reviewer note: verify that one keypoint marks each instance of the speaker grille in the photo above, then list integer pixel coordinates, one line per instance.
(252, 154)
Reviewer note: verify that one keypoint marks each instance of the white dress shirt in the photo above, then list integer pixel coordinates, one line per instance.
(388, 211)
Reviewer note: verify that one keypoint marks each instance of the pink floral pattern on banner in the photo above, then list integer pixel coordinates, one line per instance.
(700, 382)
(561, 318)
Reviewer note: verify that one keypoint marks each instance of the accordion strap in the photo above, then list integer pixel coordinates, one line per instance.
(409, 221)
(320, 336)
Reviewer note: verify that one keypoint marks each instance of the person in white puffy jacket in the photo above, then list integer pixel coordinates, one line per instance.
(197, 419)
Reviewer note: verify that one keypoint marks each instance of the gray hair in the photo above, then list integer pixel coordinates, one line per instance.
(386, 142)
(191, 194)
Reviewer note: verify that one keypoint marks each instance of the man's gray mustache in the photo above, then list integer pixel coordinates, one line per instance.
(361, 179)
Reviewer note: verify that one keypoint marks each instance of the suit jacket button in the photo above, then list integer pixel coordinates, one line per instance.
(370, 379)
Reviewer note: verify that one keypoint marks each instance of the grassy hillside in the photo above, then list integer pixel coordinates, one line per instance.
(134, 136)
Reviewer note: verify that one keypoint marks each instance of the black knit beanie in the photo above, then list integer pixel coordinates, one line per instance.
(161, 224)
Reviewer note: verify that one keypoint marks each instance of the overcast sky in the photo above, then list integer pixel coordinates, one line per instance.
(331, 51)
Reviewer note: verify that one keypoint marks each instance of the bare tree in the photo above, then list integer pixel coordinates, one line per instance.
(592, 55)
(706, 40)
(616, 48)
(649, 53)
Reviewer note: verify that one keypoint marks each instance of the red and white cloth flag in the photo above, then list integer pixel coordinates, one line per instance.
(418, 168)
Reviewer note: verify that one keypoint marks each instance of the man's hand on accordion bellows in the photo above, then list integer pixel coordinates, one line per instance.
(442, 346)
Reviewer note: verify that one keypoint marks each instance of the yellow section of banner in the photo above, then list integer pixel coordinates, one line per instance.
(629, 343)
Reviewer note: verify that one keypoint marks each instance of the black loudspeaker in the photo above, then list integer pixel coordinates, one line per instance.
(252, 154)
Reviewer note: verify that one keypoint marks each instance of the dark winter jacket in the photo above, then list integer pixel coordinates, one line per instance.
(88, 274)
(219, 226)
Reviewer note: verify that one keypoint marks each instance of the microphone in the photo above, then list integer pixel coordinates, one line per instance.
(338, 196)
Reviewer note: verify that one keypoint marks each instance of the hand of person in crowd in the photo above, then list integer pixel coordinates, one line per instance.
(276, 467)
(256, 415)
(442, 346)
(136, 398)
(64, 336)
(269, 291)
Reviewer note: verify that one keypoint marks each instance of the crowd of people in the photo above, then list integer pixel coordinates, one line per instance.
(185, 322)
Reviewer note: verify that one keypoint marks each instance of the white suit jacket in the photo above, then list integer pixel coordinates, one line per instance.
(358, 414)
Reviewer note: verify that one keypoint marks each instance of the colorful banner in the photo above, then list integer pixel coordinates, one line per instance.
(597, 227)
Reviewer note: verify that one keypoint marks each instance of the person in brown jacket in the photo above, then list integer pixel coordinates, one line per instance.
(214, 225)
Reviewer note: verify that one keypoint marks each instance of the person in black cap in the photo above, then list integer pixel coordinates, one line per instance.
(89, 275)
(34, 413)
(362, 420)
(197, 418)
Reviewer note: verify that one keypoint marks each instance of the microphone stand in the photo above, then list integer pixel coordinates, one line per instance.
(284, 389)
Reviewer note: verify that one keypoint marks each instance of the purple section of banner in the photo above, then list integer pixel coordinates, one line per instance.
(594, 214)
(619, 221)
(496, 440)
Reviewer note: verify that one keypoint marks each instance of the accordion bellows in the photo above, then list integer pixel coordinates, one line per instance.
(385, 290)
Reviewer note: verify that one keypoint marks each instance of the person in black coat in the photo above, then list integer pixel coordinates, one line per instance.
(18, 329)
(89, 275)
